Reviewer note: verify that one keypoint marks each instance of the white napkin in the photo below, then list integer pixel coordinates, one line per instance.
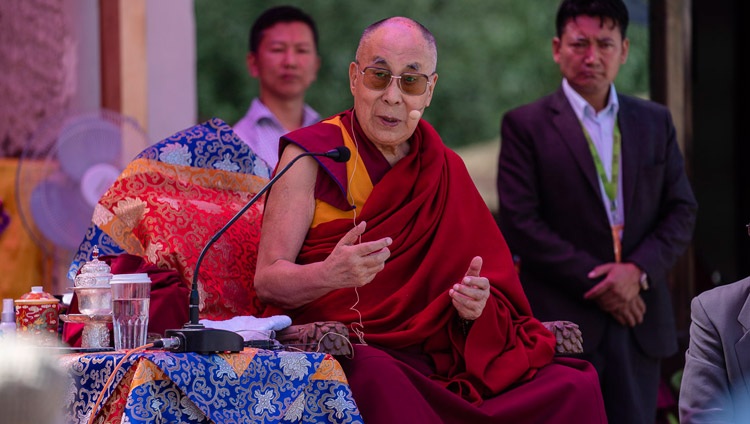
(250, 327)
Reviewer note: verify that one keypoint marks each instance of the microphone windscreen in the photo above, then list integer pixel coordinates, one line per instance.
(344, 154)
(415, 115)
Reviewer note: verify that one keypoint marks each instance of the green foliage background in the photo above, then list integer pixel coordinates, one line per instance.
(492, 56)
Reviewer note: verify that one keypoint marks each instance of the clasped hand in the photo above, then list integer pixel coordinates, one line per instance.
(618, 293)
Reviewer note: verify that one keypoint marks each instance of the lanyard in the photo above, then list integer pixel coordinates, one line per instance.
(611, 184)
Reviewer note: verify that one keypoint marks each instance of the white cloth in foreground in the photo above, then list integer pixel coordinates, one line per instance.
(33, 384)
(250, 327)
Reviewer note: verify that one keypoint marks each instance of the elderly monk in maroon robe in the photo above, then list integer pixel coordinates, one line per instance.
(398, 244)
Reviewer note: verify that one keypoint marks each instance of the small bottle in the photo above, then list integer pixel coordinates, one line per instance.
(8, 320)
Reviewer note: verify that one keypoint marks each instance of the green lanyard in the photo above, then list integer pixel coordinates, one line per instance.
(610, 185)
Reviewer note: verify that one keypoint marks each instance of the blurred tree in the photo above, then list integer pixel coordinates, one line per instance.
(492, 56)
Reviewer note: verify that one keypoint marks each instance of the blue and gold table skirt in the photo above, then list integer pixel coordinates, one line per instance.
(253, 386)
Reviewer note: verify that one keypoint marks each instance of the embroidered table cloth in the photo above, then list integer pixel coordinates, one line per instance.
(247, 387)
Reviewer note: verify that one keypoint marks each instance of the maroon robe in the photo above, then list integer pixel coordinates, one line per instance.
(424, 365)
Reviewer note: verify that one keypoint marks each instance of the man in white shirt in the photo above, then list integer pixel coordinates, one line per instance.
(283, 56)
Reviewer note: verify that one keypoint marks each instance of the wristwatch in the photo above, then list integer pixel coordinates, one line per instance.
(644, 281)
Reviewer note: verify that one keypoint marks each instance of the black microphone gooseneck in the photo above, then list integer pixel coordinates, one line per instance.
(194, 336)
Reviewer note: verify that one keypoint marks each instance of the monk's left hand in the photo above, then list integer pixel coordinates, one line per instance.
(470, 295)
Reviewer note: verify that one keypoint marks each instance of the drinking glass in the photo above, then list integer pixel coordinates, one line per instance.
(130, 303)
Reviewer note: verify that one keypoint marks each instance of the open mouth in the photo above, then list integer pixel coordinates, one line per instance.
(389, 120)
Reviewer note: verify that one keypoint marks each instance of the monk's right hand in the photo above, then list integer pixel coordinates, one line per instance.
(354, 264)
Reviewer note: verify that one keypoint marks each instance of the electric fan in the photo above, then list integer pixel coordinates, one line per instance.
(66, 166)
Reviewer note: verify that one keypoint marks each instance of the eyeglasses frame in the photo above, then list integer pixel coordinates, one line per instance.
(398, 77)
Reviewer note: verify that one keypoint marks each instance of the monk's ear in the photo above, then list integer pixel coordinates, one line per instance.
(353, 74)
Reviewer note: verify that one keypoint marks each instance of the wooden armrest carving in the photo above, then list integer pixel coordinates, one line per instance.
(325, 336)
(568, 337)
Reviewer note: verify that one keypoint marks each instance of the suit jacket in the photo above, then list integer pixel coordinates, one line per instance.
(554, 219)
(715, 382)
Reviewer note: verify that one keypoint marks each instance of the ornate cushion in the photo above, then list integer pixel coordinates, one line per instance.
(326, 336)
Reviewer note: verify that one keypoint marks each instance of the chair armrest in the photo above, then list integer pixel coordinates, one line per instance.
(568, 337)
(333, 337)
(324, 336)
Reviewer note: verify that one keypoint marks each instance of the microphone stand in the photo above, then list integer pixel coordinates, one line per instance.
(194, 336)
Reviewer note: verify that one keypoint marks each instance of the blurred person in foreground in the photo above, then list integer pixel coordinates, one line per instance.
(715, 386)
(398, 244)
(595, 202)
(33, 385)
(283, 56)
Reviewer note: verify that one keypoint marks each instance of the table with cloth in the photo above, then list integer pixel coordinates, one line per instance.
(251, 386)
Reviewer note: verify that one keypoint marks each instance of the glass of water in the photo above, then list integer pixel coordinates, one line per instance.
(130, 302)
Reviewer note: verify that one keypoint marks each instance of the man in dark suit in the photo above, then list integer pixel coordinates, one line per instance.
(595, 202)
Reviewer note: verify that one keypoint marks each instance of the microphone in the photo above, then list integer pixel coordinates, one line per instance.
(339, 154)
(415, 114)
(194, 336)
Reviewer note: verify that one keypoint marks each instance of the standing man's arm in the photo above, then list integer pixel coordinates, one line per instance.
(673, 227)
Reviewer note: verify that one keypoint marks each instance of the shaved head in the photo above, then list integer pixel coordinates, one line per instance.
(404, 24)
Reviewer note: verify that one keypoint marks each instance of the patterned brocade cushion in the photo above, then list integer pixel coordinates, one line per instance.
(171, 200)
